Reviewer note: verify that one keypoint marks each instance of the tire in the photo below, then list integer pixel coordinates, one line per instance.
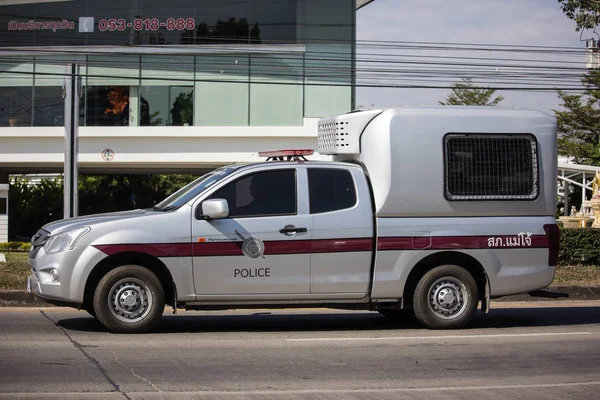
(446, 297)
(403, 314)
(129, 299)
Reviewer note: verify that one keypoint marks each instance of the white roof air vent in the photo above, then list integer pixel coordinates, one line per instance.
(341, 134)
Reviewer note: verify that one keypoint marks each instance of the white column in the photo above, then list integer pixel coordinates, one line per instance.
(583, 194)
(134, 105)
(566, 197)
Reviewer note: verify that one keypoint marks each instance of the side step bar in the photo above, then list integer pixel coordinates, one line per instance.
(551, 294)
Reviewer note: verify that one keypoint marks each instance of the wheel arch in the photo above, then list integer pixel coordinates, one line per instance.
(466, 261)
(127, 258)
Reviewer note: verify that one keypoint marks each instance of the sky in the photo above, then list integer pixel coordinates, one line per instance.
(490, 22)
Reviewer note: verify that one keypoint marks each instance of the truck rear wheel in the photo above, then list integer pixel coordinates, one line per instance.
(446, 297)
(129, 299)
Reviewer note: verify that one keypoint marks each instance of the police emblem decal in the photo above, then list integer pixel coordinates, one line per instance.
(252, 247)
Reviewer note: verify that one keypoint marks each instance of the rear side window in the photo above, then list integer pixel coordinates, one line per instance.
(491, 167)
(330, 190)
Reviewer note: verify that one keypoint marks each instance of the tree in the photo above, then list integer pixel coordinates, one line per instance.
(583, 12)
(467, 94)
(579, 123)
(33, 205)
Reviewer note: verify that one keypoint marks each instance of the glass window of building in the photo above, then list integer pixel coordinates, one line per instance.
(221, 91)
(58, 24)
(112, 82)
(48, 103)
(222, 22)
(167, 22)
(167, 91)
(276, 89)
(112, 22)
(274, 22)
(16, 83)
(14, 20)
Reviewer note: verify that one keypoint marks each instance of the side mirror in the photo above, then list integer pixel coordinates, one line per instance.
(215, 209)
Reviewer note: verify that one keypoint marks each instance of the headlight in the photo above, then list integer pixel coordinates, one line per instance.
(65, 240)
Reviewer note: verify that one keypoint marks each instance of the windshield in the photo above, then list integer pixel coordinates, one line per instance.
(193, 189)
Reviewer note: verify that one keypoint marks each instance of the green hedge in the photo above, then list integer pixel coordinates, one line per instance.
(15, 246)
(577, 246)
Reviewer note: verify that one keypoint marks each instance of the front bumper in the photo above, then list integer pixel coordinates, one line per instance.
(59, 278)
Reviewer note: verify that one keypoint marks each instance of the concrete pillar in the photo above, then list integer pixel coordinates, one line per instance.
(134, 106)
(3, 207)
(567, 189)
(583, 190)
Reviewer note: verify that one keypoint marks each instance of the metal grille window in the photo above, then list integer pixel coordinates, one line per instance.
(491, 167)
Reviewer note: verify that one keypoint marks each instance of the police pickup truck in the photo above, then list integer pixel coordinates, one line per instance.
(426, 212)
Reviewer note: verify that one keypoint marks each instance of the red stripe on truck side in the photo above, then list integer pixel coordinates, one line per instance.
(340, 245)
(153, 249)
(463, 242)
(212, 249)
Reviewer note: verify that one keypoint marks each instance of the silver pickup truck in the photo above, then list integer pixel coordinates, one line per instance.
(428, 212)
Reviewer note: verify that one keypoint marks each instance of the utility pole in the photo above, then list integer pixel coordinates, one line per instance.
(71, 93)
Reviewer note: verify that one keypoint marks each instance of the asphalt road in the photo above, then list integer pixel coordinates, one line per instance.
(530, 350)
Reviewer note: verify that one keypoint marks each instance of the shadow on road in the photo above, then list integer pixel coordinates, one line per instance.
(359, 321)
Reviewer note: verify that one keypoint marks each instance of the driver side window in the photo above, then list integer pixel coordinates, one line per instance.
(265, 193)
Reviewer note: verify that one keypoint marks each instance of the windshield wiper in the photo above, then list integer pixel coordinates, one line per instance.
(167, 208)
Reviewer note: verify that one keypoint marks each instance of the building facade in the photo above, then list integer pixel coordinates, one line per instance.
(170, 86)
(181, 84)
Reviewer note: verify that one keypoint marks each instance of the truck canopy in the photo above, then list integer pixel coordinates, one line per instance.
(450, 160)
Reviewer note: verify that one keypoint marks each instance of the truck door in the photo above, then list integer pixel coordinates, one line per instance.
(263, 247)
(341, 220)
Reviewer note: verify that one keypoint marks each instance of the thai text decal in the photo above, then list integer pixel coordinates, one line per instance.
(523, 239)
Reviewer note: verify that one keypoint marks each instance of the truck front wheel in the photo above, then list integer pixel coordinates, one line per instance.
(129, 299)
(446, 298)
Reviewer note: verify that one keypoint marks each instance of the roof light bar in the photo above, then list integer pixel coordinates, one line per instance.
(280, 155)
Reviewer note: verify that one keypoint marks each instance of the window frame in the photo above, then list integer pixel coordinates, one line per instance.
(535, 173)
(244, 176)
(331, 168)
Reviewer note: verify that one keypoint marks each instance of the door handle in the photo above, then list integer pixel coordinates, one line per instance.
(292, 229)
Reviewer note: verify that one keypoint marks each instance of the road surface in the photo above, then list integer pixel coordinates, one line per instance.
(548, 350)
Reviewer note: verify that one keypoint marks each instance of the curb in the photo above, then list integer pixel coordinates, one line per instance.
(576, 293)
(20, 298)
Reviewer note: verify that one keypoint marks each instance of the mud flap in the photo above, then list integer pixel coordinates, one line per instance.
(174, 298)
(485, 302)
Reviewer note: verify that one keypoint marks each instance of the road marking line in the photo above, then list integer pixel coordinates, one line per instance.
(236, 394)
(502, 335)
